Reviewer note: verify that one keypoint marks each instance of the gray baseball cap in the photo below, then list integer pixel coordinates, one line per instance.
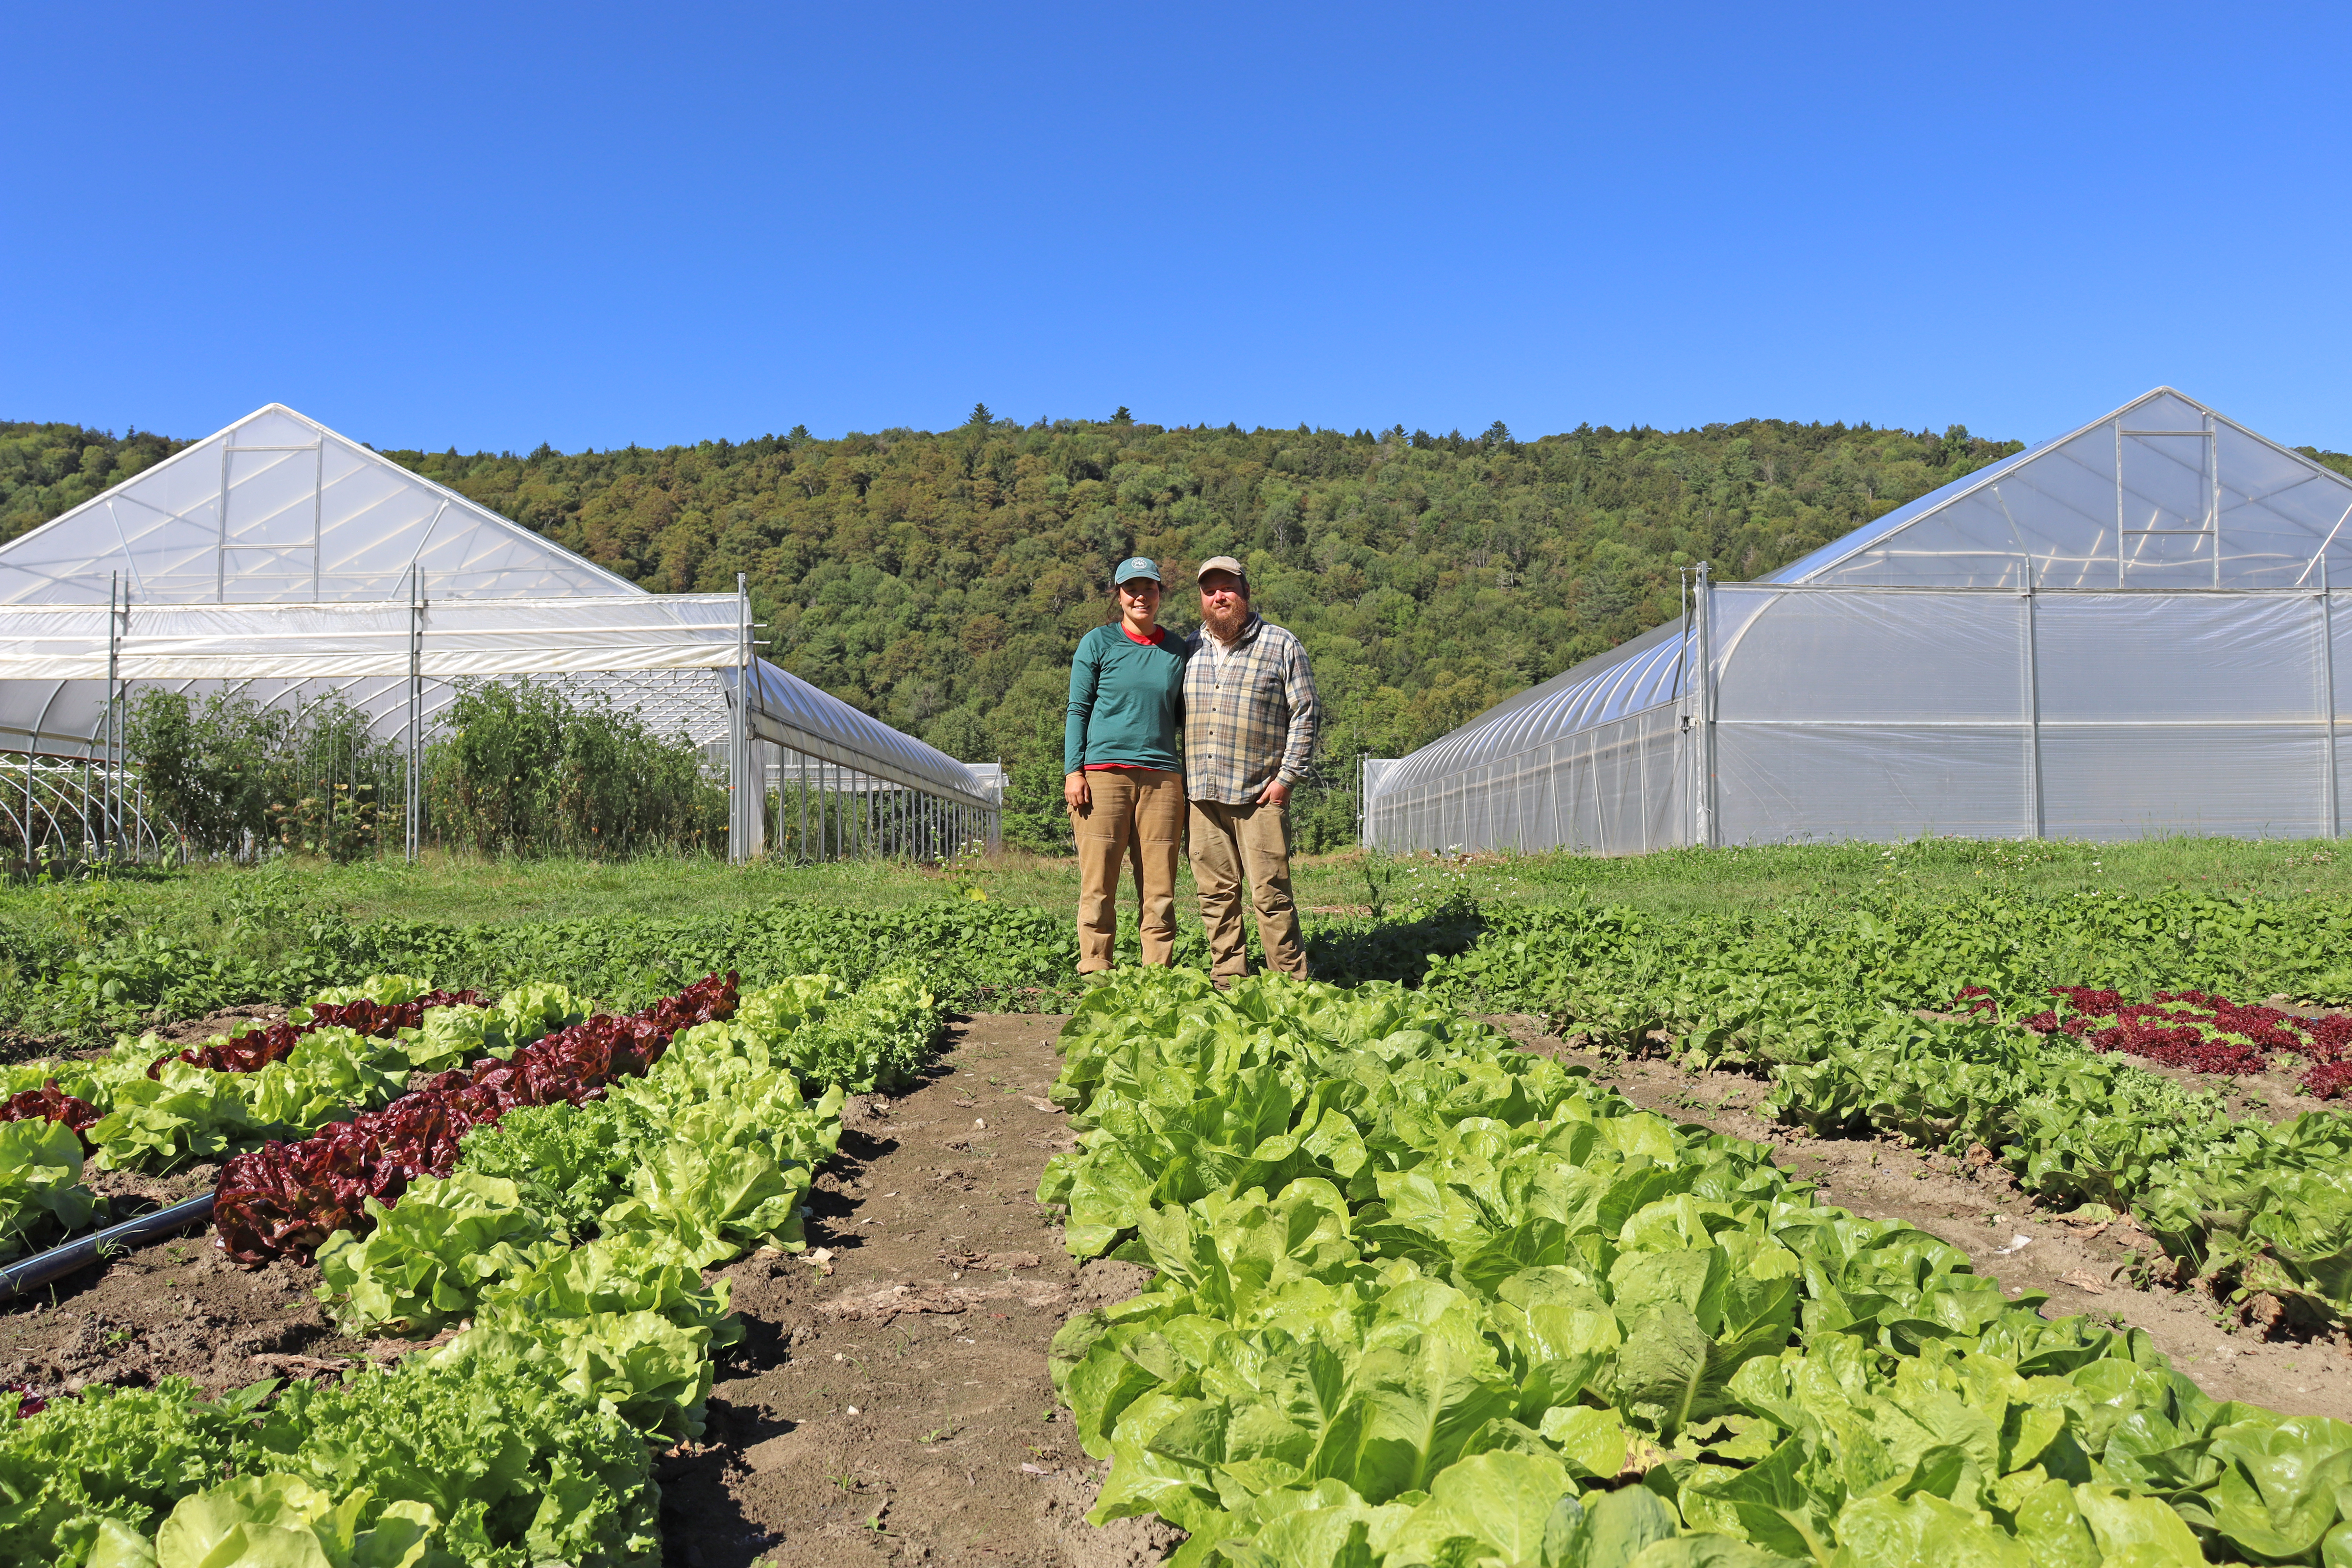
(1221, 563)
(1135, 566)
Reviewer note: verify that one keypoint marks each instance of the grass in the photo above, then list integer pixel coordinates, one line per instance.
(1781, 875)
(265, 908)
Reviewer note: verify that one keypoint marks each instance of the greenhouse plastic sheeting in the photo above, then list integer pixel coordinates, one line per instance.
(279, 557)
(1616, 787)
(2129, 631)
(456, 636)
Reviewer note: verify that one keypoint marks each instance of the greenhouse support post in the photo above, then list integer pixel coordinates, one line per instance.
(2034, 828)
(2327, 696)
(1704, 607)
(113, 666)
(412, 780)
(738, 835)
(1688, 701)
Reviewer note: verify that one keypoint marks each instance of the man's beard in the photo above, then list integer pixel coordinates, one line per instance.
(1225, 625)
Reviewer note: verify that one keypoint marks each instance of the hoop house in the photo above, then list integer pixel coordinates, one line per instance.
(2125, 632)
(279, 557)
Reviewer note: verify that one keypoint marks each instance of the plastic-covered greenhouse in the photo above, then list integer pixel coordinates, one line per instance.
(299, 565)
(2125, 632)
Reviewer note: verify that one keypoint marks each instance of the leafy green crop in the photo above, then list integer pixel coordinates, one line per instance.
(160, 1112)
(277, 1521)
(95, 977)
(522, 1440)
(574, 1236)
(120, 1454)
(41, 1192)
(510, 1471)
(428, 1255)
(1488, 1296)
(1847, 1016)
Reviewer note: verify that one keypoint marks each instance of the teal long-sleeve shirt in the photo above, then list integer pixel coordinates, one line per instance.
(1127, 702)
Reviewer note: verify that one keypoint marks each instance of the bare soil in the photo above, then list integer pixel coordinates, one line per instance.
(890, 1403)
(896, 1408)
(15, 1046)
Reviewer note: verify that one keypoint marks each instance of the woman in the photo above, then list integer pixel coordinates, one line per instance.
(1121, 776)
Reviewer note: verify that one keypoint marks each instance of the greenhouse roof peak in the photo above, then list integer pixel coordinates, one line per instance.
(277, 508)
(2163, 493)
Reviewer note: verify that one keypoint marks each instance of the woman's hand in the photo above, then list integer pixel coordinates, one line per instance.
(1074, 790)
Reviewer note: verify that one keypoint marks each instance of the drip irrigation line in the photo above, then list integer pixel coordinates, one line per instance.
(61, 1260)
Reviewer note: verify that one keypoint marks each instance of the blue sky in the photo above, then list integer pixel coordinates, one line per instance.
(490, 225)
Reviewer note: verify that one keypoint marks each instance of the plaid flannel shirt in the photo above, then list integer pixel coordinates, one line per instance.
(1249, 715)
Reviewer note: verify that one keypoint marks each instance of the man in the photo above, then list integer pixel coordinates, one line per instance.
(1249, 732)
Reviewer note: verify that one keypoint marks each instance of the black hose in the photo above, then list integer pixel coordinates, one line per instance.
(60, 1261)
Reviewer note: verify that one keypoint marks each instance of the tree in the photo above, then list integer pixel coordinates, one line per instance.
(941, 582)
(981, 415)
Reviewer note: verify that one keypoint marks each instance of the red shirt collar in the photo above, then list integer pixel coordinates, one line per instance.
(1159, 635)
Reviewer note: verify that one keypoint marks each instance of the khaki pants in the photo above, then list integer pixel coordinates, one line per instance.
(1230, 842)
(1138, 813)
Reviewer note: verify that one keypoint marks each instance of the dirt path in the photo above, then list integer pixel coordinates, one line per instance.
(2005, 1236)
(897, 1409)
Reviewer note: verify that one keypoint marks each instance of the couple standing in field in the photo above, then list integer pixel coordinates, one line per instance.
(1241, 694)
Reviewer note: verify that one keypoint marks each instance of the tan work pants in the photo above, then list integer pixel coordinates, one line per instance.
(1230, 842)
(1137, 812)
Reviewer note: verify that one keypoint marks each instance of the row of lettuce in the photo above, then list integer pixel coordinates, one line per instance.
(81, 965)
(2000, 1021)
(148, 1106)
(558, 1197)
(87, 969)
(1421, 1298)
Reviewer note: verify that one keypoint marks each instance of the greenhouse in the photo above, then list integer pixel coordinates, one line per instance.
(2129, 631)
(302, 568)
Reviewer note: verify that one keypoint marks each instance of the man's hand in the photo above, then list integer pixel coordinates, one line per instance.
(1075, 791)
(1276, 794)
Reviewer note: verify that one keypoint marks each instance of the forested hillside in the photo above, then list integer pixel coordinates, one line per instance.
(48, 469)
(940, 580)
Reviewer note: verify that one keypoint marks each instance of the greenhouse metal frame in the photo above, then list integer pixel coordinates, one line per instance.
(2126, 632)
(280, 558)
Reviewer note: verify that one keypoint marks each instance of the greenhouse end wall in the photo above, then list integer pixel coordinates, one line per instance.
(1827, 714)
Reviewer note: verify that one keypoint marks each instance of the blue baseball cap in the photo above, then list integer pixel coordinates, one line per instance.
(1135, 566)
